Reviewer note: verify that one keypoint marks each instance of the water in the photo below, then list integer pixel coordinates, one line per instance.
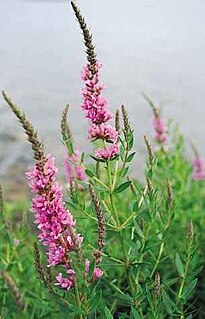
(145, 45)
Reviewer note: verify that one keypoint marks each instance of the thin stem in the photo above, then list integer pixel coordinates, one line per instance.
(78, 302)
(119, 227)
(179, 296)
(158, 258)
(142, 256)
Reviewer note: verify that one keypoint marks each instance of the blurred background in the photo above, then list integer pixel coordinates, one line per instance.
(153, 46)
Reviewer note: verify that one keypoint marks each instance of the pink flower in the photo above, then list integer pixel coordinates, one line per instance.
(107, 153)
(160, 130)
(66, 283)
(199, 169)
(97, 113)
(97, 274)
(103, 131)
(99, 116)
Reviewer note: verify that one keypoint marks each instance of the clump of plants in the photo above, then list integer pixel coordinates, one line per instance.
(114, 247)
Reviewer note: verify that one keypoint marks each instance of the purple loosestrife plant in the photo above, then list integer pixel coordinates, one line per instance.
(135, 221)
(55, 222)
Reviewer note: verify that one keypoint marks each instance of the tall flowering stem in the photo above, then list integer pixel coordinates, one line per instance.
(98, 115)
(55, 222)
(93, 103)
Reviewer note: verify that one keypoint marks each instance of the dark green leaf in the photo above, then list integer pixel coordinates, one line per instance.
(130, 157)
(179, 265)
(122, 187)
(89, 173)
(189, 289)
(135, 314)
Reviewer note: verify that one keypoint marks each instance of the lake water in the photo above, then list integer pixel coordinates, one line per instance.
(145, 45)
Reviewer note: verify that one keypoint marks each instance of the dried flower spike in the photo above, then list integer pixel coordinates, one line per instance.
(157, 285)
(14, 290)
(117, 121)
(65, 130)
(190, 231)
(32, 135)
(87, 35)
(127, 128)
(150, 150)
(101, 224)
(37, 262)
(169, 193)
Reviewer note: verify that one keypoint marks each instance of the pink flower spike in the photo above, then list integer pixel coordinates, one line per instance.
(160, 130)
(199, 169)
(107, 153)
(55, 222)
(97, 273)
(102, 131)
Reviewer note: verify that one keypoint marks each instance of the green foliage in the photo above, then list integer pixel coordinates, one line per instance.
(153, 255)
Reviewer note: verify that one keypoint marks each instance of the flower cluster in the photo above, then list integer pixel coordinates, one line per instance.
(98, 115)
(55, 222)
(160, 129)
(73, 168)
(199, 169)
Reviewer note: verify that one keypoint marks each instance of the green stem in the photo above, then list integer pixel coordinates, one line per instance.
(78, 302)
(141, 257)
(158, 259)
(119, 227)
(184, 277)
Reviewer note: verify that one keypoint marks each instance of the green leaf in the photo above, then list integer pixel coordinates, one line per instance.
(108, 314)
(167, 302)
(179, 265)
(89, 173)
(82, 158)
(130, 157)
(122, 187)
(135, 314)
(97, 159)
(124, 171)
(135, 207)
(189, 289)
(138, 230)
(130, 141)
